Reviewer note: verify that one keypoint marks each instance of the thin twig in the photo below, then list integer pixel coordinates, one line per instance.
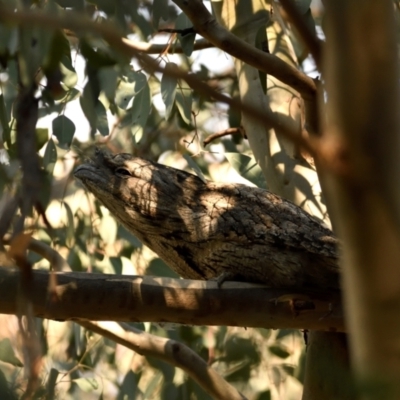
(230, 131)
(309, 37)
(170, 351)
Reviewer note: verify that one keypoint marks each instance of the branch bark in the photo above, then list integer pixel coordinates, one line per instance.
(170, 351)
(153, 299)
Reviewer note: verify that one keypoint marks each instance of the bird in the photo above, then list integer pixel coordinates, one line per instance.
(207, 230)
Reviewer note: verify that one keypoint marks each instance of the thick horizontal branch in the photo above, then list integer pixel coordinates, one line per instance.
(153, 299)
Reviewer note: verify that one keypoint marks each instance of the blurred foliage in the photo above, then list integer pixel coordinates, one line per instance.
(91, 95)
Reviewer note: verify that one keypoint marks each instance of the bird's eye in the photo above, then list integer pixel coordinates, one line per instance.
(122, 172)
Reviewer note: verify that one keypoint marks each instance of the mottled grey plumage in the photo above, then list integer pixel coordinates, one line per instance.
(202, 230)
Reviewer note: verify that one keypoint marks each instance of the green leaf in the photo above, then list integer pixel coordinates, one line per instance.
(88, 107)
(279, 350)
(247, 167)
(192, 164)
(303, 5)
(168, 89)
(108, 81)
(160, 10)
(187, 40)
(70, 77)
(157, 267)
(4, 120)
(102, 121)
(63, 130)
(50, 157)
(42, 136)
(183, 101)
(116, 263)
(7, 354)
(8, 39)
(141, 107)
(124, 94)
(87, 384)
(34, 45)
(69, 227)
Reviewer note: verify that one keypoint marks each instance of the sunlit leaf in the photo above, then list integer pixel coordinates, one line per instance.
(70, 77)
(63, 130)
(87, 384)
(108, 229)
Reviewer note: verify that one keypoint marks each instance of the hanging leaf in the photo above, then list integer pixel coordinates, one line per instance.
(108, 81)
(102, 121)
(69, 226)
(141, 107)
(183, 101)
(63, 130)
(168, 89)
(50, 157)
(186, 40)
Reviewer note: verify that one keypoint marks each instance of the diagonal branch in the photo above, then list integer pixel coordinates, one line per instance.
(170, 351)
(206, 25)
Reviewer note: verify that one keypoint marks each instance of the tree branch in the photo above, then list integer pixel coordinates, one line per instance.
(154, 299)
(206, 26)
(230, 131)
(309, 38)
(170, 351)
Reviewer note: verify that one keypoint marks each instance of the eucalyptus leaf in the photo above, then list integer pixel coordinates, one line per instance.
(7, 353)
(247, 167)
(87, 384)
(63, 130)
(183, 101)
(50, 157)
(102, 121)
(141, 107)
(160, 10)
(186, 40)
(168, 89)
